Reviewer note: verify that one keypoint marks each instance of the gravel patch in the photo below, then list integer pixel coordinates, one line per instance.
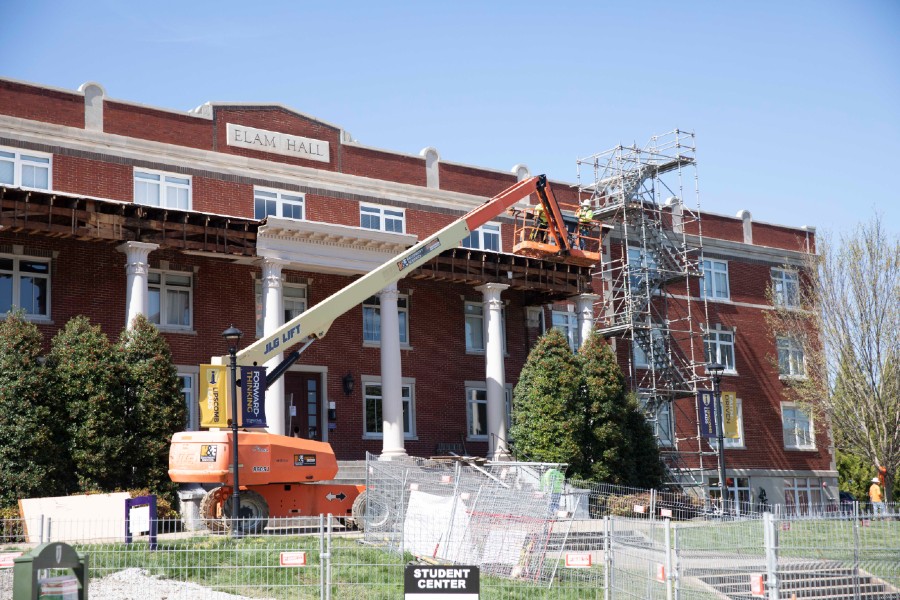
(134, 584)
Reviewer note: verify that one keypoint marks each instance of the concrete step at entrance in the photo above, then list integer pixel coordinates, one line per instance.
(351, 472)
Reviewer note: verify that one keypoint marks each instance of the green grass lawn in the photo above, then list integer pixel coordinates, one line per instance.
(250, 567)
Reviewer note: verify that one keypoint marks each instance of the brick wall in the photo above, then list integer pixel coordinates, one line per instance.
(90, 177)
(756, 383)
(469, 180)
(377, 164)
(40, 104)
(157, 125)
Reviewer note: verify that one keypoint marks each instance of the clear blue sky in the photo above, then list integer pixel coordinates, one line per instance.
(796, 105)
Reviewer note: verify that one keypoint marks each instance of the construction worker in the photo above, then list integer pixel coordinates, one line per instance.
(876, 498)
(539, 232)
(552, 481)
(585, 216)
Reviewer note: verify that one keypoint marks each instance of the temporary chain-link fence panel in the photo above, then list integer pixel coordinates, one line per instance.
(718, 557)
(637, 561)
(511, 520)
(854, 556)
(531, 535)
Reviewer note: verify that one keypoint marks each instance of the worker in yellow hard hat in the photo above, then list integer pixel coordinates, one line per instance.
(539, 231)
(585, 216)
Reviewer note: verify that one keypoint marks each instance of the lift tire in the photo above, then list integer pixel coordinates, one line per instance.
(215, 510)
(211, 511)
(369, 512)
(253, 513)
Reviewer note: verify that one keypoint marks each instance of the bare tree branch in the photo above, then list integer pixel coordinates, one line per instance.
(848, 325)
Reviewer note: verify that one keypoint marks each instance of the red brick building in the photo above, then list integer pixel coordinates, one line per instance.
(249, 214)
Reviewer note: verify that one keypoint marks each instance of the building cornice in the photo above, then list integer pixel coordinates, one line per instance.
(779, 256)
(326, 247)
(732, 249)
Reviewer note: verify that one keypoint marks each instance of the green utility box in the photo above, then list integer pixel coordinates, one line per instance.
(55, 556)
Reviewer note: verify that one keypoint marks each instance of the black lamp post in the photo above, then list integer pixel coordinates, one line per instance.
(715, 369)
(233, 335)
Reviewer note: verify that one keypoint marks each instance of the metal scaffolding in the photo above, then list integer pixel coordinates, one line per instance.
(652, 257)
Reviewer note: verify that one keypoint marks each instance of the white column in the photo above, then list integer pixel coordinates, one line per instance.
(392, 443)
(273, 318)
(137, 267)
(584, 309)
(495, 373)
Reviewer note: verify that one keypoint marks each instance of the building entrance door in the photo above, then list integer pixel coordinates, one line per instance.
(305, 391)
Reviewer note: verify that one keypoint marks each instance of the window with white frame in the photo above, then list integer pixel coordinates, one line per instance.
(797, 427)
(803, 495)
(642, 268)
(187, 380)
(293, 298)
(274, 203)
(476, 410)
(719, 348)
(382, 218)
(785, 288)
(663, 423)
(474, 312)
(372, 319)
(567, 322)
(486, 237)
(171, 299)
(714, 284)
(25, 168)
(641, 359)
(737, 442)
(790, 357)
(25, 284)
(373, 421)
(738, 489)
(167, 190)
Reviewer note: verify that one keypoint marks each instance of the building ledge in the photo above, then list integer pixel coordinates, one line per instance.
(329, 248)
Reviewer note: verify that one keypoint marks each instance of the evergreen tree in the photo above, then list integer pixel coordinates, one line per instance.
(547, 408)
(619, 445)
(606, 440)
(649, 471)
(86, 377)
(155, 404)
(854, 475)
(33, 448)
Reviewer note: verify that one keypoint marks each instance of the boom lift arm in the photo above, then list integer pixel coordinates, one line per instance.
(314, 323)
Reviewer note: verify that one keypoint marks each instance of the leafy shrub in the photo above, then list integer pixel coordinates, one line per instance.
(623, 506)
(86, 378)
(547, 416)
(12, 529)
(155, 404)
(33, 449)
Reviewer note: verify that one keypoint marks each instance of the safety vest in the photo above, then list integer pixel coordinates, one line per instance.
(585, 215)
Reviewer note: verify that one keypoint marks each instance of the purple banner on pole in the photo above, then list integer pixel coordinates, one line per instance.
(707, 405)
(253, 397)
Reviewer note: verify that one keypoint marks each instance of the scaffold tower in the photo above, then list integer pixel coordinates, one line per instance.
(648, 199)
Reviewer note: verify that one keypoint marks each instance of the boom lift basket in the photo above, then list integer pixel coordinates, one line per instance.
(535, 239)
